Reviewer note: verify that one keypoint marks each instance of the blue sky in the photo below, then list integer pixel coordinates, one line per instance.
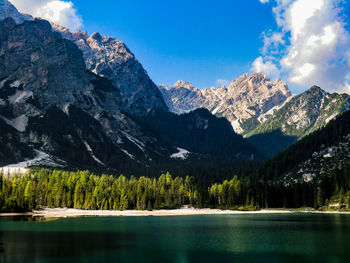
(199, 41)
(304, 42)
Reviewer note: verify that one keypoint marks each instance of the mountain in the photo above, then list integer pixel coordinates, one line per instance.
(54, 104)
(314, 171)
(206, 134)
(55, 110)
(316, 144)
(241, 103)
(9, 10)
(111, 58)
(298, 117)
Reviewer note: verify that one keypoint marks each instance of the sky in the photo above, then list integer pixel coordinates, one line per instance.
(209, 43)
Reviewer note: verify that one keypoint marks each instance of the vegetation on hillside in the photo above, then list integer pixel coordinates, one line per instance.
(84, 190)
(287, 160)
(265, 188)
(299, 117)
(315, 108)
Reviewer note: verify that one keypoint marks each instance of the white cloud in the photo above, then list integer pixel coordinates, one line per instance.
(268, 67)
(272, 40)
(222, 82)
(311, 45)
(264, 1)
(59, 12)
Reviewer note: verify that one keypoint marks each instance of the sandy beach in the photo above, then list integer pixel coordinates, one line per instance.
(69, 212)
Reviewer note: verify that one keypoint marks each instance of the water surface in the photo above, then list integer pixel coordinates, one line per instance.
(199, 238)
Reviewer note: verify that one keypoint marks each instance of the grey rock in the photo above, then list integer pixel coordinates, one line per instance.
(111, 58)
(247, 97)
(9, 10)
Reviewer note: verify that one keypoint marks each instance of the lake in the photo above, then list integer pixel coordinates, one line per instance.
(202, 238)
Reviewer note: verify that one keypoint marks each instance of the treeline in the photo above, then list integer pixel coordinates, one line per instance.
(84, 190)
(236, 193)
(333, 191)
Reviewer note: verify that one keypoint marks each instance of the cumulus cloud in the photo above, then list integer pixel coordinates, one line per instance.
(272, 41)
(264, 1)
(59, 12)
(311, 45)
(266, 66)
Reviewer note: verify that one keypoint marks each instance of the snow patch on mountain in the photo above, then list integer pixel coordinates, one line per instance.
(135, 141)
(128, 154)
(15, 84)
(19, 123)
(181, 154)
(88, 148)
(20, 96)
(41, 159)
(2, 83)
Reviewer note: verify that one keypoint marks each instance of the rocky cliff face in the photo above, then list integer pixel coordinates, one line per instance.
(305, 113)
(298, 117)
(314, 158)
(110, 58)
(9, 10)
(53, 108)
(55, 105)
(242, 102)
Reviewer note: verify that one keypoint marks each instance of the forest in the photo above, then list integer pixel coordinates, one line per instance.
(84, 190)
(46, 188)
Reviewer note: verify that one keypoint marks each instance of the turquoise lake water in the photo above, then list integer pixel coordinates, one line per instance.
(201, 238)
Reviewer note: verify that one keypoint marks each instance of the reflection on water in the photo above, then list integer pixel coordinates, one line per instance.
(29, 218)
(210, 238)
(2, 249)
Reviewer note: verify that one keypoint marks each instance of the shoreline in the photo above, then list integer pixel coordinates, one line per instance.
(70, 212)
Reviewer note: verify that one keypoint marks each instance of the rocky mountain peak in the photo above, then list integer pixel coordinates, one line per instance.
(110, 58)
(261, 75)
(9, 10)
(302, 114)
(242, 102)
(96, 36)
(184, 84)
(162, 86)
(88, 102)
(50, 102)
(315, 88)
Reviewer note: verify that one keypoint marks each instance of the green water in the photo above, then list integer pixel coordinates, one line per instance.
(210, 238)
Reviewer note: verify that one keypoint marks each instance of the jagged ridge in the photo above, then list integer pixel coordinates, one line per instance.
(242, 102)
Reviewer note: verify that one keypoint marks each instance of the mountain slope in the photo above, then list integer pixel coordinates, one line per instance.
(242, 102)
(9, 10)
(314, 172)
(300, 116)
(197, 131)
(50, 103)
(321, 143)
(57, 106)
(109, 58)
